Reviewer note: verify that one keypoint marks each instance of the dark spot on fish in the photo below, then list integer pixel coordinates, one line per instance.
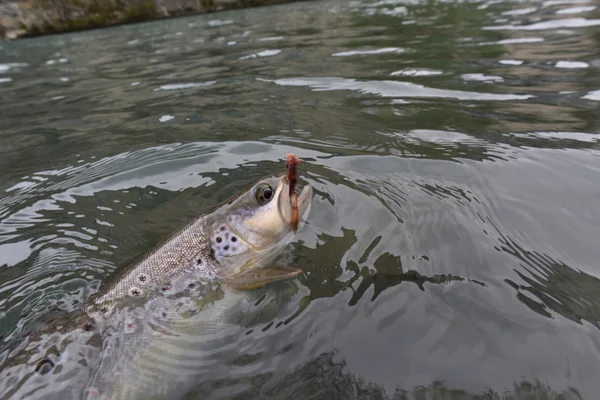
(44, 366)
(222, 228)
(104, 309)
(191, 285)
(199, 261)
(226, 247)
(135, 292)
(87, 327)
(234, 239)
(142, 278)
(165, 288)
(219, 240)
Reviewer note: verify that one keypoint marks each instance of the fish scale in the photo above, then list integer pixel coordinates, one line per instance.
(189, 249)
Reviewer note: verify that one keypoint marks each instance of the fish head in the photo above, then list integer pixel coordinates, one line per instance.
(254, 227)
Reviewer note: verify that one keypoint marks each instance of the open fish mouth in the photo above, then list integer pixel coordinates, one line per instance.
(304, 198)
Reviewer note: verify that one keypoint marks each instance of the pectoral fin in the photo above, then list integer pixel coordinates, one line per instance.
(254, 279)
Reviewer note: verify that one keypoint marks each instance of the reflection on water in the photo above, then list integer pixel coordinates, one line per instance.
(453, 149)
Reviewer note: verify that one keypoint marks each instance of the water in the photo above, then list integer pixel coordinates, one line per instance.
(451, 250)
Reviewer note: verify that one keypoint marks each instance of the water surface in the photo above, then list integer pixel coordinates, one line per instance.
(453, 147)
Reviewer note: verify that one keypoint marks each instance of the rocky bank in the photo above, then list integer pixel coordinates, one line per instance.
(21, 18)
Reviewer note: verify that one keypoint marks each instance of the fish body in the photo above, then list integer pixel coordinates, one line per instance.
(172, 298)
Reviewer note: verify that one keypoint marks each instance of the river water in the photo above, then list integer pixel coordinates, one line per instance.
(453, 147)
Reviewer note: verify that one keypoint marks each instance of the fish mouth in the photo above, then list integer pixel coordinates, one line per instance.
(304, 198)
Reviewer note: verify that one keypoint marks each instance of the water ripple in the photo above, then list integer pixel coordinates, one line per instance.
(453, 151)
(392, 89)
(554, 24)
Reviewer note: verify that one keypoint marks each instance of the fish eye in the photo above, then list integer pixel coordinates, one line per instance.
(268, 193)
(264, 193)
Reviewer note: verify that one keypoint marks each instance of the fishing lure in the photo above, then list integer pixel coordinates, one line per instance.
(291, 163)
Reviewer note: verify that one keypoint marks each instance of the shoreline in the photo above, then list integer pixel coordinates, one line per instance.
(33, 18)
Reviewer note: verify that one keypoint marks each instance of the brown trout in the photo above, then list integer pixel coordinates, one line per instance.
(166, 302)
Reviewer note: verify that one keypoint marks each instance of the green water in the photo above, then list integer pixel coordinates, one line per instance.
(453, 147)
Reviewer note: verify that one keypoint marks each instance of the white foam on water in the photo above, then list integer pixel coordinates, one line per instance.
(271, 39)
(366, 52)
(511, 62)
(5, 67)
(482, 78)
(165, 118)
(179, 86)
(417, 72)
(264, 53)
(571, 64)
(576, 10)
(394, 12)
(520, 40)
(218, 22)
(595, 95)
(520, 11)
(560, 2)
(554, 24)
(513, 41)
